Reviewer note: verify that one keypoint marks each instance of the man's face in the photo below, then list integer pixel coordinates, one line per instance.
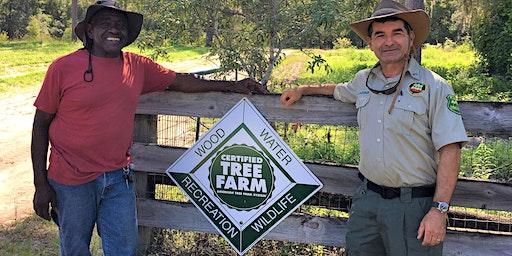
(390, 41)
(108, 30)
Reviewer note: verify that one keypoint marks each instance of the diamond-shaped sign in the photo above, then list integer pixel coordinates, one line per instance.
(243, 177)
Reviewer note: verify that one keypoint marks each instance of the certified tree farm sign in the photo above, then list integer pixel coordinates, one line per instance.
(243, 177)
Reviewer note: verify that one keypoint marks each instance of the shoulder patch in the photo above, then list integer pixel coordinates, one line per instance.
(453, 105)
(416, 89)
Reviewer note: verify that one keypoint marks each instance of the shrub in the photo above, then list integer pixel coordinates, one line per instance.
(343, 42)
(38, 27)
(493, 38)
(3, 36)
(449, 44)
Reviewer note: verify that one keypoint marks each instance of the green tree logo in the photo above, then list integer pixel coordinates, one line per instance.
(241, 177)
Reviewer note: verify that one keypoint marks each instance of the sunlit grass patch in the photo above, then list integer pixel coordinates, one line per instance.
(23, 64)
(169, 192)
(22, 82)
(33, 236)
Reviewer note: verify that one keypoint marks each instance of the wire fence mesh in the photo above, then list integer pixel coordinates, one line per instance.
(482, 157)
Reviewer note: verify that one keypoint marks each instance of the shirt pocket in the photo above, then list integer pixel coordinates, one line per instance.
(408, 116)
(362, 106)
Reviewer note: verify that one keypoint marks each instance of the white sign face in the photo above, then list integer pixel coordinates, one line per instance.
(243, 177)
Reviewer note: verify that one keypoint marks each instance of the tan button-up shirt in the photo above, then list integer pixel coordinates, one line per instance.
(401, 149)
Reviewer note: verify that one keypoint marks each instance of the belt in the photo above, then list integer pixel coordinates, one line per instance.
(390, 193)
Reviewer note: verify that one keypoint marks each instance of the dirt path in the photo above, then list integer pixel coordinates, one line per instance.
(16, 185)
(16, 189)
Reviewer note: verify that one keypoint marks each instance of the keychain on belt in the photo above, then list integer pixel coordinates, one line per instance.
(126, 175)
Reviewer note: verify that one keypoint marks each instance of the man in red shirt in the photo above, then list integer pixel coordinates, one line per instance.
(86, 110)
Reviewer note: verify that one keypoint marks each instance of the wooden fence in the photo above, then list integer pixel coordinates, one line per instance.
(493, 119)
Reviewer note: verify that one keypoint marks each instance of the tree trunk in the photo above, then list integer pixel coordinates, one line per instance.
(414, 5)
(73, 18)
(210, 28)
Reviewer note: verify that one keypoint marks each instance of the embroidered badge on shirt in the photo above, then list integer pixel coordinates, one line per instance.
(453, 105)
(417, 89)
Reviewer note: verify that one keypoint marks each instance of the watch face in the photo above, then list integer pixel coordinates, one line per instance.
(441, 206)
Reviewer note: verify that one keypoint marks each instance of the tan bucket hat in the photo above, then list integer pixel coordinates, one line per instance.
(134, 20)
(418, 19)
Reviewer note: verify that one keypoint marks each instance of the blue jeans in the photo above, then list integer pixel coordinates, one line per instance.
(107, 202)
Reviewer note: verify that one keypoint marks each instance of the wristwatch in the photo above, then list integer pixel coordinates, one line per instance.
(441, 206)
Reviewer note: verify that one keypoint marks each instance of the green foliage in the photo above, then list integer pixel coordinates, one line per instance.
(483, 161)
(3, 37)
(56, 9)
(442, 27)
(334, 144)
(39, 27)
(491, 159)
(493, 38)
(342, 42)
(247, 35)
(316, 61)
(15, 16)
(175, 242)
(343, 63)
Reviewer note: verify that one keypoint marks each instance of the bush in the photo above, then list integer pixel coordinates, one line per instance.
(449, 44)
(66, 35)
(491, 159)
(343, 42)
(3, 36)
(493, 38)
(38, 27)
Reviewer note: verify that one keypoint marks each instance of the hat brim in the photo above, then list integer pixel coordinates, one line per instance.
(135, 21)
(418, 19)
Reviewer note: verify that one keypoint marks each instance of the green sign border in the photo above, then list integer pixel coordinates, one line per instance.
(245, 238)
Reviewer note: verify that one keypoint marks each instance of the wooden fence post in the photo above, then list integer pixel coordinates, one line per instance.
(145, 131)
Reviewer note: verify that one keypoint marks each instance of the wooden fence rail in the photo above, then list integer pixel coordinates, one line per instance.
(494, 119)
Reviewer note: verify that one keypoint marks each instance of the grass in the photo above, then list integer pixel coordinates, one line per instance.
(344, 63)
(23, 64)
(459, 65)
(35, 236)
(174, 242)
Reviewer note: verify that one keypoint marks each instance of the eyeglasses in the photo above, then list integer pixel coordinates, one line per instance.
(388, 91)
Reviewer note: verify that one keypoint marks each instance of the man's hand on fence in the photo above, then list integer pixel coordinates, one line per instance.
(290, 96)
(432, 228)
(44, 196)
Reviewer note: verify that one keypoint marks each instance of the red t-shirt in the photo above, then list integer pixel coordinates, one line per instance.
(92, 130)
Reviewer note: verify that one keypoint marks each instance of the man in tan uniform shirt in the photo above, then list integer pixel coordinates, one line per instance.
(411, 133)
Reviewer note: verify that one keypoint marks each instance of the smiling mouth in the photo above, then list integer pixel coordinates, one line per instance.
(115, 39)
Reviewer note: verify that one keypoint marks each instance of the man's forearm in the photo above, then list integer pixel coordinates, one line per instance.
(190, 83)
(325, 89)
(447, 172)
(39, 147)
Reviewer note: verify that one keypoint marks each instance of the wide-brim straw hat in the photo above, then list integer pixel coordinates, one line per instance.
(134, 20)
(418, 19)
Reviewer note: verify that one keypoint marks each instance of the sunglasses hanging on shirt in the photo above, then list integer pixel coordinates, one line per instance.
(388, 91)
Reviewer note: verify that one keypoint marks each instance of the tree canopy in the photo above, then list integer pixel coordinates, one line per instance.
(250, 35)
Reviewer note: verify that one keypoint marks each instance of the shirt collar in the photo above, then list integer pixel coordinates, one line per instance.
(413, 69)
